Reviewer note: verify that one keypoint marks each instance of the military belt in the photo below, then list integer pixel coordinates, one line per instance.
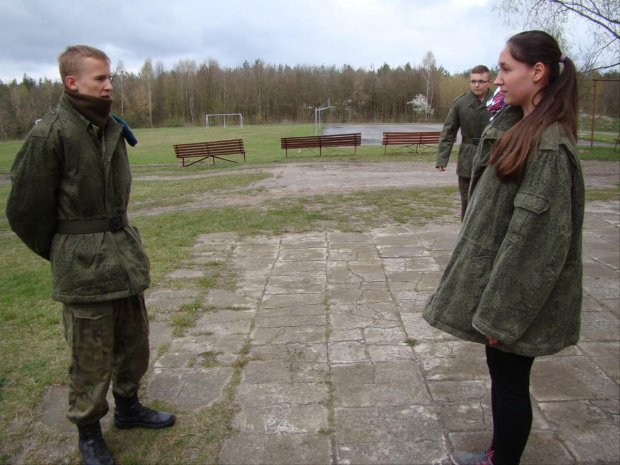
(114, 223)
(469, 140)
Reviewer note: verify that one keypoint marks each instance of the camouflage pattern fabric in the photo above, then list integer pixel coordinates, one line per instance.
(61, 174)
(109, 342)
(471, 116)
(516, 270)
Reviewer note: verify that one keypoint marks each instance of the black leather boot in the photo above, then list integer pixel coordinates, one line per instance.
(129, 413)
(92, 446)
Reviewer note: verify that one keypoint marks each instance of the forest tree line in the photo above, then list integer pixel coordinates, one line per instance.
(268, 93)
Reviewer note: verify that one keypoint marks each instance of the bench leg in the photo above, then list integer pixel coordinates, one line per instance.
(194, 162)
(220, 158)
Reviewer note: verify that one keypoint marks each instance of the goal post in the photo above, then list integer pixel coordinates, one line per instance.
(223, 115)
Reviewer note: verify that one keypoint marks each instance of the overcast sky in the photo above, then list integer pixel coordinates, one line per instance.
(361, 33)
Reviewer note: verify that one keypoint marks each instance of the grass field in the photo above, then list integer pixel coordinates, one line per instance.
(34, 354)
(262, 144)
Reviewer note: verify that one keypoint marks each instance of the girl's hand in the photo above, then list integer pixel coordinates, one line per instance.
(492, 340)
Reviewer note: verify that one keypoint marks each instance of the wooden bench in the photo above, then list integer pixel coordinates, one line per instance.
(313, 142)
(411, 138)
(214, 149)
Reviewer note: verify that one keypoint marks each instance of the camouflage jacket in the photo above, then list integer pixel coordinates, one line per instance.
(472, 116)
(61, 174)
(516, 270)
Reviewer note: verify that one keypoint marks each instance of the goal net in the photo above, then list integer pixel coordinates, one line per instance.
(216, 116)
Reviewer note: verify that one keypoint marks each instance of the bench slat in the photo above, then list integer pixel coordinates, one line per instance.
(332, 140)
(208, 149)
(411, 138)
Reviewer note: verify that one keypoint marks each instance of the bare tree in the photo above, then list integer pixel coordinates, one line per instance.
(558, 17)
(119, 86)
(429, 71)
(147, 75)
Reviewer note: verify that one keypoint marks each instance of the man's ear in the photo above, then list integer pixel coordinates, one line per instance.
(71, 83)
(538, 72)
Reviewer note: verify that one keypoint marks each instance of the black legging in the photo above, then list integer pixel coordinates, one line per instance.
(511, 404)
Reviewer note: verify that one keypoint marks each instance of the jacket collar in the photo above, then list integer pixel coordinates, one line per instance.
(113, 129)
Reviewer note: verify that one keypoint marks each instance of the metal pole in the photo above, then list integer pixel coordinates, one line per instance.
(316, 127)
(593, 113)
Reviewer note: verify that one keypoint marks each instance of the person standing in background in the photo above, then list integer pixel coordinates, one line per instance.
(469, 113)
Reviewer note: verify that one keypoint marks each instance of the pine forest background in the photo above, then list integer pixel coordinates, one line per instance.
(272, 94)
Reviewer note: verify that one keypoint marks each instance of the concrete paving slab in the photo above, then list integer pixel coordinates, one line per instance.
(397, 453)
(282, 449)
(300, 310)
(170, 299)
(289, 335)
(599, 326)
(570, 378)
(298, 283)
(599, 440)
(455, 368)
(299, 353)
(270, 394)
(282, 419)
(417, 423)
(287, 268)
(220, 298)
(189, 388)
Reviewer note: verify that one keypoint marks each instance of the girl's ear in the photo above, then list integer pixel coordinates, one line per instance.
(538, 72)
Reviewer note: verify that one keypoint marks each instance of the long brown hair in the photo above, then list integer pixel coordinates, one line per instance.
(558, 102)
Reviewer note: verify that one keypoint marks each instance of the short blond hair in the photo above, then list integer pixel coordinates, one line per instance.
(70, 60)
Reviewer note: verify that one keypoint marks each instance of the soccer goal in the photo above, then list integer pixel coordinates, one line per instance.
(224, 115)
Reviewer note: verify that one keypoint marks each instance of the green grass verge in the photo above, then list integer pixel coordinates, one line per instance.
(262, 143)
(603, 153)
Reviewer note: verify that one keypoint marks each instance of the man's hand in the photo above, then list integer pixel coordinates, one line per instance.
(441, 168)
(492, 340)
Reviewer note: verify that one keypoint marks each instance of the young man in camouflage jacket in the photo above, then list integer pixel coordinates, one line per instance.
(68, 203)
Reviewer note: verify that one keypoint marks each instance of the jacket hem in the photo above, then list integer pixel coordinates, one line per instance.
(516, 348)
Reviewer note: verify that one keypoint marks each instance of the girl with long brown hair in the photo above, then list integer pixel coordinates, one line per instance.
(513, 282)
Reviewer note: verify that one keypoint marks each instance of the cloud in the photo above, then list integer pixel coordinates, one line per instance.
(360, 33)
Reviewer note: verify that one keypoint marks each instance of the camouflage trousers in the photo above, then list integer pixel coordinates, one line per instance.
(464, 191)
(109, 342)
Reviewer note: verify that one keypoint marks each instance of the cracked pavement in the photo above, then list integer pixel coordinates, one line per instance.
(342, 369)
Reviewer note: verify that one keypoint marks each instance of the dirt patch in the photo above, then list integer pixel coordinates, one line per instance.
(323, 178)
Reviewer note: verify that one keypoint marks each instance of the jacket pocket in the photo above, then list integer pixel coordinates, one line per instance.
(531, 202)
(527, 212)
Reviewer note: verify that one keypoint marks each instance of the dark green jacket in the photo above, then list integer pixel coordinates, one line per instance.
(516, 270)
(471, 116)
(61, 174)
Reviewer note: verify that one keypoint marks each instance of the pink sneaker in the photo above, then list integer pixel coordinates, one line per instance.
(465, 458)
